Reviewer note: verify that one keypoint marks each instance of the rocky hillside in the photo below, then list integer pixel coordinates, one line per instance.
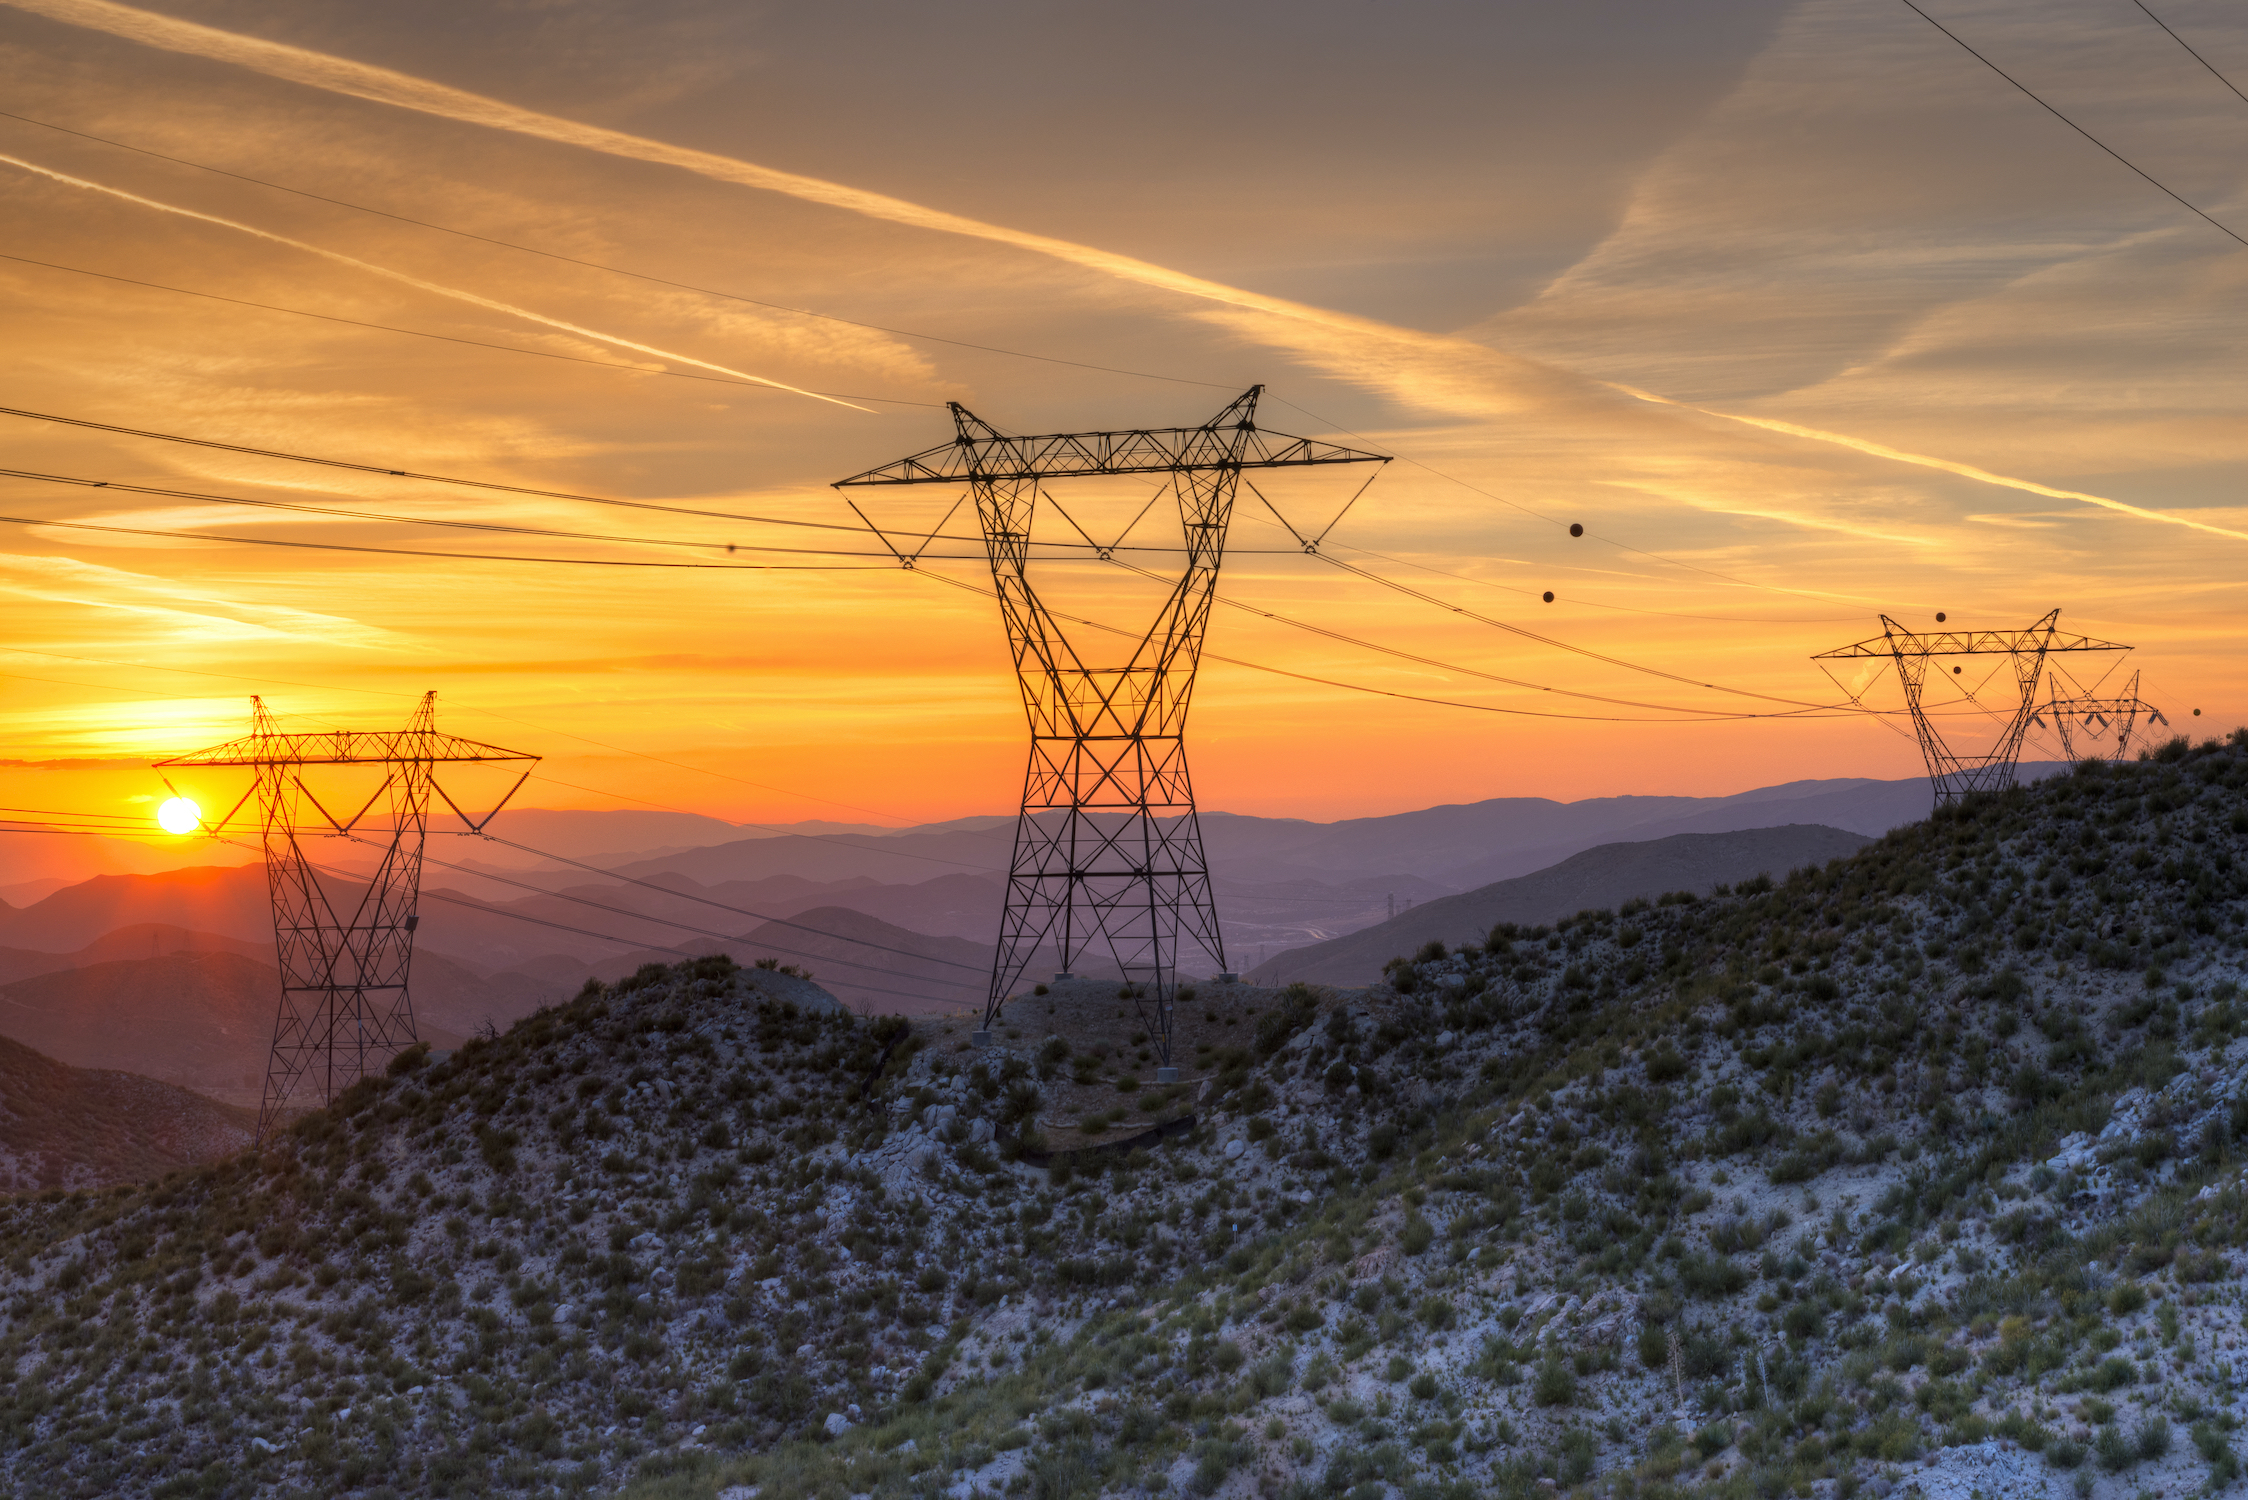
(1915, 1169)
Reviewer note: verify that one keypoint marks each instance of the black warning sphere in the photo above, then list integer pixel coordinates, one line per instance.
(1576, 528)
(1955, 671)
(2197, 713)
(1940, 619)
(1549, 596)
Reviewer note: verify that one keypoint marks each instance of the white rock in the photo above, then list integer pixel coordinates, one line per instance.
(414, 1391)
(1233, 1150)
(1444, 1039)
(836, 1424)
(263, 1446)
(980, 1131)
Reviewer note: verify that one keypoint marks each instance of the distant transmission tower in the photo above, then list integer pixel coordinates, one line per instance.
(344, 949)
(1953, 775)
(2097, 718)
(1108, 850)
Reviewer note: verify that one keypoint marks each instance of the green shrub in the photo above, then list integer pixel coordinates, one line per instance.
(1555, 1385)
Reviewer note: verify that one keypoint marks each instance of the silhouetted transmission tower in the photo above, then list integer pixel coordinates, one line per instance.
(344, 948)
(2097, 718)
(1108, 851)
(1953, 775)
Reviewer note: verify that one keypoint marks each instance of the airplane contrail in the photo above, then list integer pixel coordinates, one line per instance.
(1378, 344)
(402, 90)
(417, 282)
(1948, 466)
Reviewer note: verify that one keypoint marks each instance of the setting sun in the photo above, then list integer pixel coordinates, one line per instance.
(179, 815)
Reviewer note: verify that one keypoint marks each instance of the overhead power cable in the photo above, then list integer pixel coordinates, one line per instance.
(2196, 56)
(903, 333)
(722, 906)
(723, 937)
(1354, 687)
(580, 562)
(801, 312)
(502, 527)
(2180, 199)
(628, 944)
(494, 486)
(1546, 640)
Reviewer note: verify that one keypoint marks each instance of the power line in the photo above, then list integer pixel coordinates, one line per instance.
(1629, 609)
(1614, 661)
(445, 338)
(2197, 57)
(582, 562)
(387, 472)
(722, 906)
(705, 931)
(904, 333)
(403, 520)
(1354, 687)
(585, 536)
(621, 271)
(2080, 130)
(1555, 521)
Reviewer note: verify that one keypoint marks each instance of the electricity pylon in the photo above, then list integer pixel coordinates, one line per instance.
(1108, 851)
(2085, 713)
(344, 954)
(1950, 774)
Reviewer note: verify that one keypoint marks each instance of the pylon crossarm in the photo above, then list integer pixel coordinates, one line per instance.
(476, 825)
(344, 747)
(1980, 643)
(1081, 455)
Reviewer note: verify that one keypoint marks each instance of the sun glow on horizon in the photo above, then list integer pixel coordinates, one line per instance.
(179, 815)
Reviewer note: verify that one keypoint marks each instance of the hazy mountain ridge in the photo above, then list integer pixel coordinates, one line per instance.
(1540, 1215)
(1606, 875)
(203, 1018)
(65, 1127)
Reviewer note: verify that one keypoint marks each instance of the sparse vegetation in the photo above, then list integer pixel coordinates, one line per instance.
(1897, 1156)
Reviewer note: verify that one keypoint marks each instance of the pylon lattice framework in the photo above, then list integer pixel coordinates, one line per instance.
(1952, 775)
(345, 1009)
(2085, 713)
(1108, 850)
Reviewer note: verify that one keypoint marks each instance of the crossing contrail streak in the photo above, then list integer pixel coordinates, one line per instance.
(416, 282)
(1437, 369)
(385, 86)
(1946, 465)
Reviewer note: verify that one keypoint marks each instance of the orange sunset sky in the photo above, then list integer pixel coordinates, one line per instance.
(1802, 312)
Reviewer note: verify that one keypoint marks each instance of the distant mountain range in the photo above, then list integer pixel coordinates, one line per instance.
(1601, 878)
(173, 969)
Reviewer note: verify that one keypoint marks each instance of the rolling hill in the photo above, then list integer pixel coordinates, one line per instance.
(1921, 1169)
(203, 1019)
(1603, 877)
(65, 1127)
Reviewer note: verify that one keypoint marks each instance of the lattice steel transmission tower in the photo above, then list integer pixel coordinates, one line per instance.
(2084, 713)
(344, 948)
(1108, 851)
(1951, 774)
